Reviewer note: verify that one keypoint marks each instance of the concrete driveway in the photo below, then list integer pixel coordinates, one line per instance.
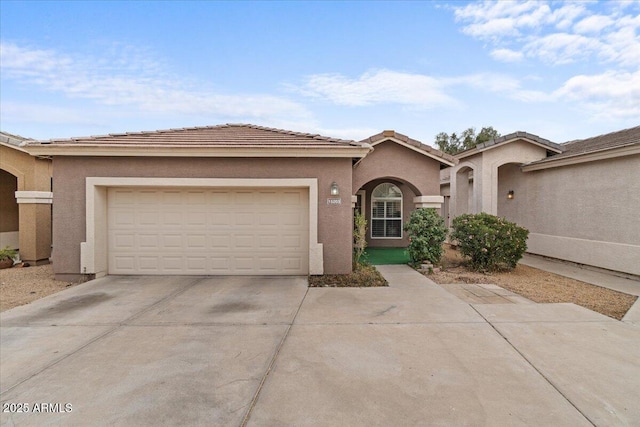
(270, 351)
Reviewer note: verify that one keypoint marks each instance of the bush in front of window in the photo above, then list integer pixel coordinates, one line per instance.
(490, 242)
(426, 232)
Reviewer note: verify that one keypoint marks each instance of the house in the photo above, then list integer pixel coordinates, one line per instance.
(25, 200)
(233, 199)
(579, 200)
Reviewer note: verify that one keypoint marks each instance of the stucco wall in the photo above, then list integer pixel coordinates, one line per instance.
(34, 221)
(391, 160)
(585, 213)
(485, 195)
(8, 205)
(335, 221)
(33, 174)
(414, 173)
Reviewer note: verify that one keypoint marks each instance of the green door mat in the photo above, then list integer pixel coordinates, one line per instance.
(382, 256)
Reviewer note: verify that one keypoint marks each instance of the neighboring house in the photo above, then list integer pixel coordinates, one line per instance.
(579, 200)
(25, 200)
(230, 199)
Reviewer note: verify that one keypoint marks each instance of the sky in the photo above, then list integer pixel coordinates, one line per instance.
(560, 70)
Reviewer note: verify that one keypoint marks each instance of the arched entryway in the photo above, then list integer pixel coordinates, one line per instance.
(9, 210)
(387, 203)
(465, 191)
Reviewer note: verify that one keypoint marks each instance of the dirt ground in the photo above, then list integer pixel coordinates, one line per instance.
(19, 286)
(537, 285)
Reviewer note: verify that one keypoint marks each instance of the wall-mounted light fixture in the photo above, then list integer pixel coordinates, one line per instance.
(335, 191)
(510, 194)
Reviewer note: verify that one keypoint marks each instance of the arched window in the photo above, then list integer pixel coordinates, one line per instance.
(386, 212)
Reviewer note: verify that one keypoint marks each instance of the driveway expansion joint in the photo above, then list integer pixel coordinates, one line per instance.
(110, 331)
(272, 363)
(551, 383)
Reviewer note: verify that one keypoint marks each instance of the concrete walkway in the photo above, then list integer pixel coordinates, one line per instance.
(270, 351)
(602, 279)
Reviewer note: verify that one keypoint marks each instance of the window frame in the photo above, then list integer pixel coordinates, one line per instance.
(374, 199)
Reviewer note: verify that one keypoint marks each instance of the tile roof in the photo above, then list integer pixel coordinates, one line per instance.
(11, 139)
(228, 135)
(621, 138)
(509, 137)
(433, 152)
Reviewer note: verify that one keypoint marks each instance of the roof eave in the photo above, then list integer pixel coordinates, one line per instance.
(14, 147)
(424, 152)
(483, 147)
(99, 150)
(607, 153)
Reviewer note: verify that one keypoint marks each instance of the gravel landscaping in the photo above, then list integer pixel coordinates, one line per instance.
(21, 285)
(537, 285)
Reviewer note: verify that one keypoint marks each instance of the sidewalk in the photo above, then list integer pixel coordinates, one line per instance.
(620, 284)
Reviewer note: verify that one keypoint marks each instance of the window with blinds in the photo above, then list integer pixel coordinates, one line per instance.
(386, 212)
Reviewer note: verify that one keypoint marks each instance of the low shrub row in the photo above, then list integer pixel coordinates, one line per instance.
(491, 243)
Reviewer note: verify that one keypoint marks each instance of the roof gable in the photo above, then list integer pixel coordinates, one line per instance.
(413, 144)
(13, 141)
(515, 136)
(224, 140)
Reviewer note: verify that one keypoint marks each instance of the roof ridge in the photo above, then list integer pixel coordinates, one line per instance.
(601, 135)
(194, 134)
(386, 134)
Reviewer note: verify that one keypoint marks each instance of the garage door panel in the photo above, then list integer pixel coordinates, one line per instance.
(208, 231)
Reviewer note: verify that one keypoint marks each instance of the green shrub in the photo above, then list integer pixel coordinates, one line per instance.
(491, 243)
(426, 232)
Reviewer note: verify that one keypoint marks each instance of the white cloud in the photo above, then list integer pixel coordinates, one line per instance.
(491, 20)
(593, 24)
(556, 32)
(127, 77)
(412, 90)
(562, 48)
(507, 55)
(611, 94)
(379, 86)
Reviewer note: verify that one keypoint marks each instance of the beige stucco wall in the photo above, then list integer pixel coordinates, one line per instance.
(32, 174)
(8, 206)
(69, 228)
(585, 213)
(483, 195)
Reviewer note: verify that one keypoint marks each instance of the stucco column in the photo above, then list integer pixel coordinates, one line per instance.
(35, 225)
(426, 202)
(489, 180)
(453, 193)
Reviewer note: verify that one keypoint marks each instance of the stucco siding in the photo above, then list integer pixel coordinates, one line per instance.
(413, 172)
(8, 206)
(334, 221)
(34, 221)
(392, 160)
(586, 213)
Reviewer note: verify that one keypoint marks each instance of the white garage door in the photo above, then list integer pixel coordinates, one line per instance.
(218, 231)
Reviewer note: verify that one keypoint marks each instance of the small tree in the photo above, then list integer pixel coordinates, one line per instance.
(491, 243)
(426, 232)
(453, 143)
(359, 238)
